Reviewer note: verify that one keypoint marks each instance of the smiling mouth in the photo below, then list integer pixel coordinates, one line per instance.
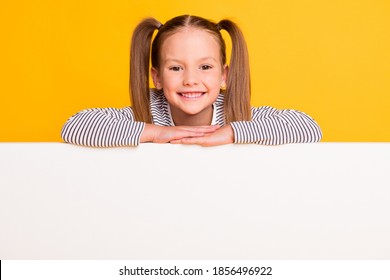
(191, 95)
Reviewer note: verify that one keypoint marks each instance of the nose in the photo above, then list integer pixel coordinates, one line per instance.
(190, 77)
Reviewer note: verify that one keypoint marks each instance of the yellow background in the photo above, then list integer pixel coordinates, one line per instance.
(328, 58)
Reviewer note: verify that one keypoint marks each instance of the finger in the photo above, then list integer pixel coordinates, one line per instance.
(209, 128)
(189, 141)
(185, 134)
(190, 134)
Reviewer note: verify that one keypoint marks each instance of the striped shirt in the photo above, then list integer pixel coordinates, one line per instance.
(112, 127)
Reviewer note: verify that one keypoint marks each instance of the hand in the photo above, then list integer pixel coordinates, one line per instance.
(224, 135)
(166, 134)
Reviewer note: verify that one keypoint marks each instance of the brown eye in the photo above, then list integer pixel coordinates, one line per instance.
(175, 68)
(205, 67)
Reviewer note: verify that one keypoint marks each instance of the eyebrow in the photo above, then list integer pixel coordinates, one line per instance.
(200, 59)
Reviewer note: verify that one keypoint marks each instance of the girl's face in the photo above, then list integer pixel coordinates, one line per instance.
(191, 75)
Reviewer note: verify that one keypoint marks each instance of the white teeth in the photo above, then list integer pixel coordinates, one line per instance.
(191, 94)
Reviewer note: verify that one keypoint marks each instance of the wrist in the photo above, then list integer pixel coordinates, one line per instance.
(229, 128)
(148, 134)
(232, 132)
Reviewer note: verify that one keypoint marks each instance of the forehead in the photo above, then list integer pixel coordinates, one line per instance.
(190, 41)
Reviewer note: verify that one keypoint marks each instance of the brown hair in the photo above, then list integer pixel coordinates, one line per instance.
(237, 93)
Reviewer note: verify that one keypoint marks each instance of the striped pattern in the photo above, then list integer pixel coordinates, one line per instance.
(111, 127)
(270, 126)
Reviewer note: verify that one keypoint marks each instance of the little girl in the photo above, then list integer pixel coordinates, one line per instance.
(198, 98)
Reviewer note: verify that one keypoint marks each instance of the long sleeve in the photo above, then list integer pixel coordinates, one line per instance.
(270, 126)
(103, 127)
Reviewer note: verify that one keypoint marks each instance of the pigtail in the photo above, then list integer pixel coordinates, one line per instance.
(238, 85)
(139, 68)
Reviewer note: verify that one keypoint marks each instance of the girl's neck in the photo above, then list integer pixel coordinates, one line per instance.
(204, 117)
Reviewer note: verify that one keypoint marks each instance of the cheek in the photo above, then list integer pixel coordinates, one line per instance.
(169, 80)
(213, 80)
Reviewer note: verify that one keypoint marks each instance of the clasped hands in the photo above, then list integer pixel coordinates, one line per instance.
(211, 135)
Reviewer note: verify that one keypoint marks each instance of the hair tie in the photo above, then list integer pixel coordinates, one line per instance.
(161, 25)
(218, 27)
